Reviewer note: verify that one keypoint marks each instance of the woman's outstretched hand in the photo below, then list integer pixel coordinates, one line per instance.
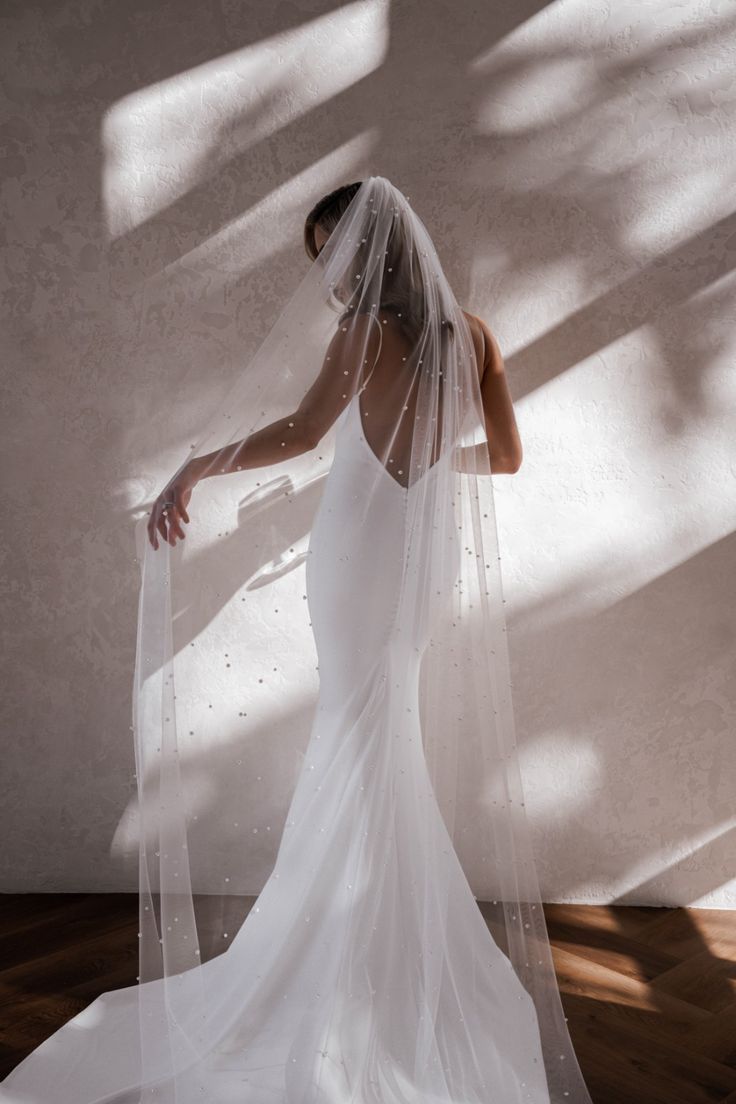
(167, 520)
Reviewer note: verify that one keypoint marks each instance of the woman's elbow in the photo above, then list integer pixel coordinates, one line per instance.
(508, 464)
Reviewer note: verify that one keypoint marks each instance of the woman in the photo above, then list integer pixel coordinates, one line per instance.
(365, 971)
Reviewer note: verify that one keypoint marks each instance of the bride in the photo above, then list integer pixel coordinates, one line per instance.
(357, 445)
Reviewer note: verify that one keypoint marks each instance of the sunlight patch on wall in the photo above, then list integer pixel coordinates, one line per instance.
(560, 772)
(656, 870)
(161, 141)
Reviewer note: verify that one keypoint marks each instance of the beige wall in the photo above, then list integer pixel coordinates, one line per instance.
(573, 164)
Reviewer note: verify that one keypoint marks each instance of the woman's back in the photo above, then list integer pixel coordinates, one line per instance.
(390, 385)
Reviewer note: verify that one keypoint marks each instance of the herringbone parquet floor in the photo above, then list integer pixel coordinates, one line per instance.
(650, 993)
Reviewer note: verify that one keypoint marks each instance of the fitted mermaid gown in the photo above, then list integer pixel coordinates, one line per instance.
(325, 995)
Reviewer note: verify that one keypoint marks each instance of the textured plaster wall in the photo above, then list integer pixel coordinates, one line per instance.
(574, 165)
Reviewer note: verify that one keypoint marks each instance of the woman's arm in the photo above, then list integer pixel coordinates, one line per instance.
(280, 440)
(503, 441)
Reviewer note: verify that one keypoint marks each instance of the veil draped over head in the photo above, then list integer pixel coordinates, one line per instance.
(323, 720)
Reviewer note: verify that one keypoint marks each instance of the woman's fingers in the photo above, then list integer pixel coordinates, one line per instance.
(181, 497)
(175, 529)
(152, 526)
(161, 525)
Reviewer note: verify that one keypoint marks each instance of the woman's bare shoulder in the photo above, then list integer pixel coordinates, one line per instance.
(479, 325)
(472, 318)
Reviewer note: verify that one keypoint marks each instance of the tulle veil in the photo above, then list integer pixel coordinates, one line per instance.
(363, 813)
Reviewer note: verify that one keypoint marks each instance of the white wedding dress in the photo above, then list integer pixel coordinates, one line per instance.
(365, 972)
(332, 1022)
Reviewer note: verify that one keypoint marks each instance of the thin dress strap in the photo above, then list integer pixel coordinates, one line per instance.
(375, 362)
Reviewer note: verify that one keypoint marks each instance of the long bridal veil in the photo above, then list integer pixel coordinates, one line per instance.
(397, 951)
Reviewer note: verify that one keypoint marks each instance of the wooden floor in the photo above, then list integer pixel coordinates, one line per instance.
(650, 993)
